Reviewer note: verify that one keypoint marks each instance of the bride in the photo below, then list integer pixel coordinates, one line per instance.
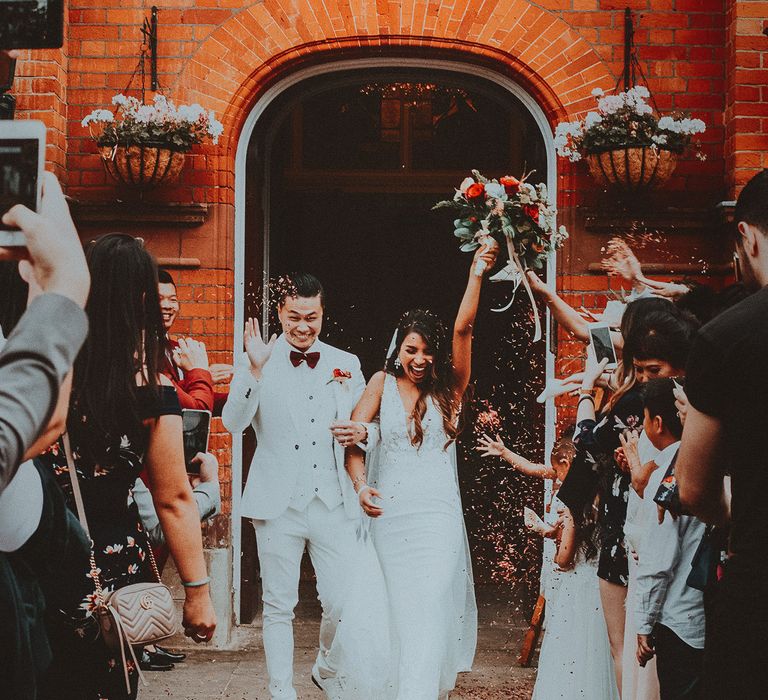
(411, 493)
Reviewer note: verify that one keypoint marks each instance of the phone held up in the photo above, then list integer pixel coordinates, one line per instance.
(31, 24)
(22, 161)
(602, 344)
(196, 426)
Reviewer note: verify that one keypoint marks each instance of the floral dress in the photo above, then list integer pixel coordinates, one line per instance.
(83, 667)
(596, 473)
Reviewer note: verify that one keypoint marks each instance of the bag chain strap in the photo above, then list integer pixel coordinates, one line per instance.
(74, 479)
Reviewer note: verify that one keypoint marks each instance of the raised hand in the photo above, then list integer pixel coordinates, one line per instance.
(622, 261)
(190, 354)
(628, 455)
(490, 447)
(593, 370)
(257, 350)
(485, 255)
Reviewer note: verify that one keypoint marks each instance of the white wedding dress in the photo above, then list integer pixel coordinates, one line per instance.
(420, 542)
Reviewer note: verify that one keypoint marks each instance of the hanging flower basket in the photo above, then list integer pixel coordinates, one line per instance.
(632, 168)
(625, 143)
(143, 145)
(143, 165)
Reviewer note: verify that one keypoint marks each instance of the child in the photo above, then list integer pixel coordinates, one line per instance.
(575, 660)
(669, 613)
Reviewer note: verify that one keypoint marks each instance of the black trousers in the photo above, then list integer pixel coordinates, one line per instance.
(679, 666)
(736, 654)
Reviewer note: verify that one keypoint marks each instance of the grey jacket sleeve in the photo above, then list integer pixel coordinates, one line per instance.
(207, 497)
(33, 363)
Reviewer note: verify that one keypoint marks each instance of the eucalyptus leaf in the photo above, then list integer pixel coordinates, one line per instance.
(469, 247)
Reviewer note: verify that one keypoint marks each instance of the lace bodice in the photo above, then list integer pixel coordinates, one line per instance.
(395, 441)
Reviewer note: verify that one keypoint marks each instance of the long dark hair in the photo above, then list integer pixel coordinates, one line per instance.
(438, 380)
(125, 339)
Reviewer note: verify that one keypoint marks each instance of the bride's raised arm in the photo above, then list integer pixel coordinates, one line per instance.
(465, 320)
(354, 462)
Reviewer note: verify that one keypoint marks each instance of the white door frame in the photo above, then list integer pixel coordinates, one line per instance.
(240, 233)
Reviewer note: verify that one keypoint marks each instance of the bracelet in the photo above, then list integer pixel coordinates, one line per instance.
(586, 397)
(196, 584)
(362, 490)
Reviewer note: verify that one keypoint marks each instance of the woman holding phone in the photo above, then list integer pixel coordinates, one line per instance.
(123, 415)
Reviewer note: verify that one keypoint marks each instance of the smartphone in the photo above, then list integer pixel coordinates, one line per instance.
(196, 425)
(602, 343)
(22, 162)
(31, 24)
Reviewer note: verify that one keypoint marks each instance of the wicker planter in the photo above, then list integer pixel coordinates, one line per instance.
(142, 166)
(632, 168)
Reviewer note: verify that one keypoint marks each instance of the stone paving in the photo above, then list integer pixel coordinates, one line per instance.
(241, 674)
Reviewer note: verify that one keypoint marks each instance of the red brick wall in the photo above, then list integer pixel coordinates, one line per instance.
(225, 53)
(747, 92)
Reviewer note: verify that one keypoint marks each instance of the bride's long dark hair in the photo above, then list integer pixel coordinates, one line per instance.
(438, 380)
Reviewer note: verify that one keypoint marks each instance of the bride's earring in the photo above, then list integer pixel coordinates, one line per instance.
(398, 364)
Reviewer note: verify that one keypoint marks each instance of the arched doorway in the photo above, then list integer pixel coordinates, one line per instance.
(337, 173)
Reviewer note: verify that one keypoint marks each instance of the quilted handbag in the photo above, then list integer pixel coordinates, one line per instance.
(137, 614)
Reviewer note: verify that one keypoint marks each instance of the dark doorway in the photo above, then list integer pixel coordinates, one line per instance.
(343, 172)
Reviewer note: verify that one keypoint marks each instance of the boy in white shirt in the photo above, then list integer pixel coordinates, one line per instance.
(669, 613)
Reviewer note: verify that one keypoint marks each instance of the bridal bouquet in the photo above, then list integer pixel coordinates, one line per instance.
(511, 212)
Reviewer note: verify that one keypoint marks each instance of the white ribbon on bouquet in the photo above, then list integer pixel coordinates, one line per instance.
(515, 272)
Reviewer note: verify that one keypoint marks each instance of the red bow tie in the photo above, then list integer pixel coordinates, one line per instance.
(311, 358)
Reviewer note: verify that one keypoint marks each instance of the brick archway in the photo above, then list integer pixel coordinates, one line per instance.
(261, 44)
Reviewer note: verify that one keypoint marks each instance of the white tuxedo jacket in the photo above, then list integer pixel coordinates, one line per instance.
(269, 406)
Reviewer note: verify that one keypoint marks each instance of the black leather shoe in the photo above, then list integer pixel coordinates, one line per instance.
(148, 663)
(163, 654)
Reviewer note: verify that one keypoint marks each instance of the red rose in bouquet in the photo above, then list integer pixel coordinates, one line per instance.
(531, 210)
(511, 184)
(476, 191)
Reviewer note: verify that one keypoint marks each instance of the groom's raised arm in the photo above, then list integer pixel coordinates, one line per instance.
(243, 400)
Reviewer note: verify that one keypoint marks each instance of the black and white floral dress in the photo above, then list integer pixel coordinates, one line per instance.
(594, 472)
(84, 668)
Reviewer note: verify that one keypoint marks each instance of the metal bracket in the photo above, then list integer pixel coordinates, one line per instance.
(149, 30)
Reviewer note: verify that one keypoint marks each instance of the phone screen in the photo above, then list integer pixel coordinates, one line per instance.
(19, 160)
(602, 344)
(196, 426)
(31, 24)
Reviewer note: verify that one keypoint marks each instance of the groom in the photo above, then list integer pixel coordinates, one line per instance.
(298, 495)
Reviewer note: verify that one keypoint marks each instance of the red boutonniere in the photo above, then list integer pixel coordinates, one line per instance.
(340, 376)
